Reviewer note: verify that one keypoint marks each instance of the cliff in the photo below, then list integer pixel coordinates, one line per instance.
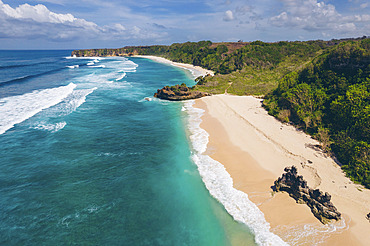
(178, 93)
(319, 202)
(102, 52)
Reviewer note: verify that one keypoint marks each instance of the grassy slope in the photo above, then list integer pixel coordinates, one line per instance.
(255, 81)
(293, 75)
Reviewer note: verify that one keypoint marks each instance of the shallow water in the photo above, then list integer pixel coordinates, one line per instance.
(85, 160)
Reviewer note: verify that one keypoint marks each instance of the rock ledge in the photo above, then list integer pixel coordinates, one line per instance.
(319, 202)
(179, 93)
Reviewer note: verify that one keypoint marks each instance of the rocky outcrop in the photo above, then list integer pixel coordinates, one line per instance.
(178, 93)
(368, 217)
(297, 187)
(103, 52)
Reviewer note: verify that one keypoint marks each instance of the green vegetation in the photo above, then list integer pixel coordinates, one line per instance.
(241, 68)
(322, 87)
(330, 99)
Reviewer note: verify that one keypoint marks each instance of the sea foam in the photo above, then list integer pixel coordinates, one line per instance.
(310, 234)
(121, 77)
(16, 109)
(220, 184)
(123, 65)
(51, 127)
(96, 58)
(70, 103)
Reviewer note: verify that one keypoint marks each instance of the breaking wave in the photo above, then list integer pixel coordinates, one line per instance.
(16, 109)
(220, 184)
(70, 103)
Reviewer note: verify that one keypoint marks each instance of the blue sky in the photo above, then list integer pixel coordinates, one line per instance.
(67, 24)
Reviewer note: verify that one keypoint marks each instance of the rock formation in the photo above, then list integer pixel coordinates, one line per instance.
(103, 52)
(297, 187)
(178, 93)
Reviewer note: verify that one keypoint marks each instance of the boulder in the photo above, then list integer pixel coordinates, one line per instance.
(297, 187)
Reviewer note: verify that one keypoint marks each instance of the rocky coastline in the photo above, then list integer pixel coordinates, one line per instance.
(126, 51)
(319, 202)
(179, 93)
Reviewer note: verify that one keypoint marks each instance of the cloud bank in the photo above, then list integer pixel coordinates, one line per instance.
(312, 16)
(34, 22)
(115, 23)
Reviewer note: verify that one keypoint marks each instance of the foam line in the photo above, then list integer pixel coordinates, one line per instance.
(220, 184)
(71, 102)
(121, 77)
(16, 109)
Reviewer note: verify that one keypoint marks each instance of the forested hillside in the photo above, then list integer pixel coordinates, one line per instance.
(330, 99)
(241, 68)
(323, 87)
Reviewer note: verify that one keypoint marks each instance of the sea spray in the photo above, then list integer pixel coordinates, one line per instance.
(220, 184)
(310, 234)
(50, 127)
(70, 103)
(16, 109)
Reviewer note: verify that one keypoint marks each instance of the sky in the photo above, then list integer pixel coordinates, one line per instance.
(77, 24)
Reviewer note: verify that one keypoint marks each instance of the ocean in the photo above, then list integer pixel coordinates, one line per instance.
(86, 160)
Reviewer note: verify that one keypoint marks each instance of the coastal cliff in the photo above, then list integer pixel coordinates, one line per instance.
(319, 203)
(102, 52)
(178, 93)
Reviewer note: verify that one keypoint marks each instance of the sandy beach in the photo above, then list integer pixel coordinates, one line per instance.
(195, 70)
(255, 148)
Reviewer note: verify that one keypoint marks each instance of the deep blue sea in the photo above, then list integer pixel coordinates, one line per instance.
(85, 160)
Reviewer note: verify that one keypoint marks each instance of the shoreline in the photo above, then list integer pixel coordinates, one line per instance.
(195, 70)
(219, 183)
(255, 148)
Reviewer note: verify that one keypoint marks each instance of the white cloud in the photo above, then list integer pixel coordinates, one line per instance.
(30, 22)
(311, 15)
(364, 5)
(229, 16)
(38, 13)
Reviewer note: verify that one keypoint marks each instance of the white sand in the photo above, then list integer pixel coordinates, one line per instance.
(195, 70)
(255, 148)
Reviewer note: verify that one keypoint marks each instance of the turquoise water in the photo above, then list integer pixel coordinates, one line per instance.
(90, 162)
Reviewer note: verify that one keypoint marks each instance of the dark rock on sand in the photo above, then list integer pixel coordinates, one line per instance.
(297, 187)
